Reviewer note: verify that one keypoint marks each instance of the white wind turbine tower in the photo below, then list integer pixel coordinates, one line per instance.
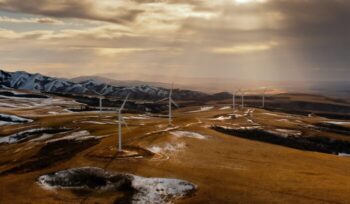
(233, 102)
(120, 121)
(100, 103)
(242, 100)
(171, 102)
(100, 100)
(242, 97)
(263, 98)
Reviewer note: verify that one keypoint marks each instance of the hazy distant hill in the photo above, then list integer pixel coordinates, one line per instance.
(232, 83)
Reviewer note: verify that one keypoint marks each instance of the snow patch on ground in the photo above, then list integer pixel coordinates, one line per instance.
(251, 122)
(241, 128)
(272, 114)
(343, 155)
(139, 117)
(80, 135)
(6, 119)
(202, 109)
(45, 136)
(188, 134)
(19, 136)
(67, 111)
(30, 103)
(237, 115)
(339, 122)
(53, 113)
(164, 130)
(3, 123)
(159, 190)
(93, 122)
(167, 148)
(249, 112)
(75, 178)
(284, 120)
(278, 132)
(289, 131)
(221, 118)
(225, 108)
(292, 121)
(190, 124)
(286, 132)
(144, 190)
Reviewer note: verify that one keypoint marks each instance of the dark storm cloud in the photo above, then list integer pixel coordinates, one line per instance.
(315, 18)
(82, 9)
(320, 31)
(315, 32)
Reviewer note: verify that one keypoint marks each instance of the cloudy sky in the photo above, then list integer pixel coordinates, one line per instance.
(248, 39)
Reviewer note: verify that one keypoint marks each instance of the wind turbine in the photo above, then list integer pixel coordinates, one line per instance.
(171, 102)
(242, 100)
(100, 100)
(120, 121)
(242, 97)
(233, 102)
(263, 98)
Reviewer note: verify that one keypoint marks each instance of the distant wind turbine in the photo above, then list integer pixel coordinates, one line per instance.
(242, 100)
(171, 102)
(120, 121)
(263, 98)
(242, 97)
(100, 99)
(233, 101)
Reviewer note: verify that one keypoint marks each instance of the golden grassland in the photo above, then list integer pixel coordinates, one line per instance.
(227, 169)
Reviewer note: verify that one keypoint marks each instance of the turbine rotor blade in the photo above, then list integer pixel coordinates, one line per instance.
(97, 93)
(124, 123)
(174, 103)
(164, 99)
(122, 107)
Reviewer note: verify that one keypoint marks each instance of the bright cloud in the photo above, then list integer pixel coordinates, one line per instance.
(245, 48)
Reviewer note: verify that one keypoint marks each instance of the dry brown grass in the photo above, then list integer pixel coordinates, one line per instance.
(226, 169)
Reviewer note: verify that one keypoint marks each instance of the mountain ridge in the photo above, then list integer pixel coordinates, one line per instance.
(40, 83)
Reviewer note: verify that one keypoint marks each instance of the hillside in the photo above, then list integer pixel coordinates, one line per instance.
(209, 155)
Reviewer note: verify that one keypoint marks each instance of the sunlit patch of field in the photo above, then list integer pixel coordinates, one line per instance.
(226, 168)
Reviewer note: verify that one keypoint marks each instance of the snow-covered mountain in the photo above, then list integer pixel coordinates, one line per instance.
(40, 83)
(127, 83)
